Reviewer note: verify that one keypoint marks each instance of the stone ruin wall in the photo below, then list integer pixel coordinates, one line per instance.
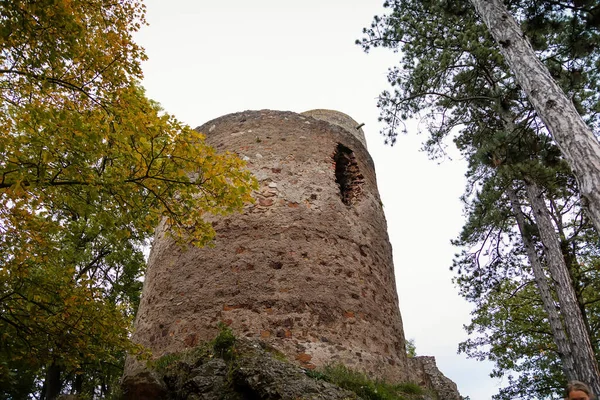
(307, 268)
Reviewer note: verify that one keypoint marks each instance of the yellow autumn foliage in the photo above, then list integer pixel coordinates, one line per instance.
(88, 168)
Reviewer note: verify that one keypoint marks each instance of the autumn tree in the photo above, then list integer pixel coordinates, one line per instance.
(88, 167)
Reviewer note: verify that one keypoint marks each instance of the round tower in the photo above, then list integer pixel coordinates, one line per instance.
(307, 267)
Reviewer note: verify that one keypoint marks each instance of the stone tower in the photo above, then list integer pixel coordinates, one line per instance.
(307, 268)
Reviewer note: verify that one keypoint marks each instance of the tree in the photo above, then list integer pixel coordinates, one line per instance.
(581, 347)
(88, 167)
(411, 348)
(545, 290)
(575, 139)
(513, 326)
(452, 68)
(498, 265)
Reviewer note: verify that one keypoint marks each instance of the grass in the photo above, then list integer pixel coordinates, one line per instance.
(364, 387)
(223, 346)
(189, 357)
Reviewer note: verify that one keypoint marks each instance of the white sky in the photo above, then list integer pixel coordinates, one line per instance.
(210, 58)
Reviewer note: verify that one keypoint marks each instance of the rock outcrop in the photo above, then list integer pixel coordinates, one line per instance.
(252, 371)
(255, 374)
(424, 371)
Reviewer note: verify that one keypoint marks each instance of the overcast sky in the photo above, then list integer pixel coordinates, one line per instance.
(211, 58)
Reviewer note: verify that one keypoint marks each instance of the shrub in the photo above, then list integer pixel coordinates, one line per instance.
(224, 344)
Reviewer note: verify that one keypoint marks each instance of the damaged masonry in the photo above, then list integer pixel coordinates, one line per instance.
(307, 269)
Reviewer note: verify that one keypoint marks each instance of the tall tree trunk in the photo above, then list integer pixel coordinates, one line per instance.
(78, 384)
(52, 383)
(570, 255)
(581, 345)
(575, 274)
(556, 325)
(575, 139)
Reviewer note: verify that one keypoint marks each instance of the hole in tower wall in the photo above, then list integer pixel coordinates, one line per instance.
(347, 174)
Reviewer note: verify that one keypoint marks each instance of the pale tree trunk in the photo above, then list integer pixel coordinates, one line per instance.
(575, 139)
(570, 257)
(556, 325)
(581, 345)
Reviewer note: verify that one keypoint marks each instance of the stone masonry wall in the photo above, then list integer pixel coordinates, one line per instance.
(302, 268)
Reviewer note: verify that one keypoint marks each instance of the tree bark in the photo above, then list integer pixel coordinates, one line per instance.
(556, 325)
(572, 263)
(575, 139)
(78, 384)
(52, 383)
(581, 345)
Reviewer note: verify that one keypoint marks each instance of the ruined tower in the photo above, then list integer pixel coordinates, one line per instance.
(307, 268)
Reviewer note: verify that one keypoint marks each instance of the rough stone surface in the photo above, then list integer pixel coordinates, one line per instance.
(424, 371)
(253, 374)
(142, 383)
(268, 378)
(208, 381)
(252, 370)
(340, 119)
(301, 269)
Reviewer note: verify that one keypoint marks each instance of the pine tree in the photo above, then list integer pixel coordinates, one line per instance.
(576, 140)
(453, 71)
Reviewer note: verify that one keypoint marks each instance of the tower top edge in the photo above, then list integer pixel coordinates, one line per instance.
(333, 117)
(340, 119)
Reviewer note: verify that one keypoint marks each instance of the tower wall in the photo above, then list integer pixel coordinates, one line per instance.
(307, 268)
